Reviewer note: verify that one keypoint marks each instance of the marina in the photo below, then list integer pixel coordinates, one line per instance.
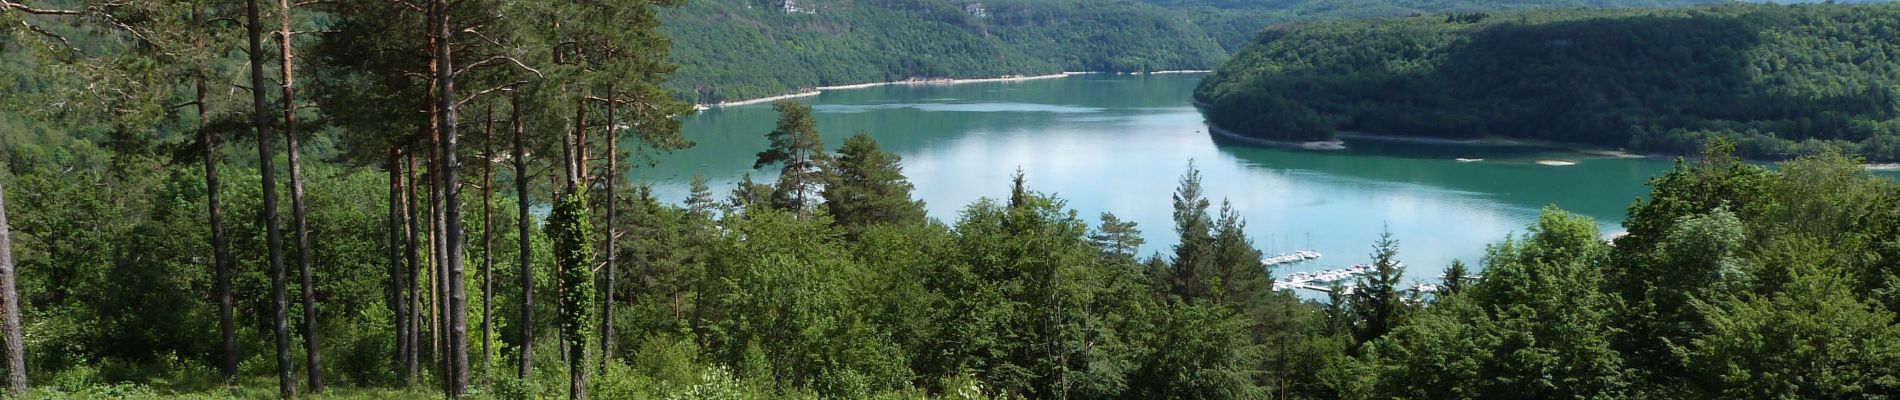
(1319, 280)
(1323, 280)
(1290, 258)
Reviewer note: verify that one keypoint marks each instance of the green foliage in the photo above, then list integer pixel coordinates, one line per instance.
(1816, 340)
(1206, 355)
(1456, 278)
(1117, 238)
(867, 187)
(785, 284)
(570, 230)
(1535, 327)
(1782, 81)
(1378, 304)
(737, 49)
(800, 153)
(751, 48)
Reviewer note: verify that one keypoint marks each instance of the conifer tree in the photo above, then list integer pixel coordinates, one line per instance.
(1377, 304)
(800, 154)
(868, 187)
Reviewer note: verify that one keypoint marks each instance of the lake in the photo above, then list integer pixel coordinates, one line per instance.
(1120, 143)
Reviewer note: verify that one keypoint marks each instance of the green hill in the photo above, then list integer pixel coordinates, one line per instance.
(1780, 80)
(741, 49)
(735, 49)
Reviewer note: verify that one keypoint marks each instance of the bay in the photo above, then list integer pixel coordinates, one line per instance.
(1108, 143)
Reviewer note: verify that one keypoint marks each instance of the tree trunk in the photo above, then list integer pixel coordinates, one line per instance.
(395, 296)
(575, 356)
(457, 296)
(286, 380)
(612, 176)
(220, 249)
(15, 345)
(526, 252)
(312, 343)
(412, 360)
(434, 126)
(435, 250)
(488, 243)
(572, 147)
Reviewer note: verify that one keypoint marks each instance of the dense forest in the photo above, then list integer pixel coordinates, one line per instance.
(1781, 81)
(437, 209)
(740, 49)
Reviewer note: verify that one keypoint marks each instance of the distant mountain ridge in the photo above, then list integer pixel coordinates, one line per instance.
(737, 49)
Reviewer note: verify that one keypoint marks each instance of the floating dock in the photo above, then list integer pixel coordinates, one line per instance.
(1314, 280)
(1318, 281)
(1291, 258)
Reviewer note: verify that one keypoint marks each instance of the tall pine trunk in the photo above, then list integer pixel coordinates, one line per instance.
(15, 345)
(435, 191)
(573, 351)
(286, 380)
(488, 244)
(526, 252)
(395, 295)
(313, 353)
(457, 297)
(612, 176)
(571, 147)
(412, 361)
(220, 249)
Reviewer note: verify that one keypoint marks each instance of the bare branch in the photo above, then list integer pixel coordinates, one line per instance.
(412, 6)
(479, 34)
(310, 2)
(62, 39)
(497, 59)
(509, 86)
(38, 11)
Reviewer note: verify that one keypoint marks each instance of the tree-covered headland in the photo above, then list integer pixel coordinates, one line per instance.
(1779, 81)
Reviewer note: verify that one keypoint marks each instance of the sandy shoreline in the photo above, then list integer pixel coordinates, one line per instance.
(1316, 145)
(913, 81)
(1339, 144)
(760, 100)
(923, 81)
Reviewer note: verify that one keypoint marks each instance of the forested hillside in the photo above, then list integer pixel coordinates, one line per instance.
(1781, 81)
(737, 49)
(733, 49)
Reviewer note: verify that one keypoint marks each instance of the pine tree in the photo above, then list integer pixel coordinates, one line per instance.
(868, 187)
(1117, 239)
(287, 84)
(1455, 279)
(280, 323)
(1376, 301)
(748, 195)
(1193, 254)
(1236, 264)
(699, 202)
(800, 153)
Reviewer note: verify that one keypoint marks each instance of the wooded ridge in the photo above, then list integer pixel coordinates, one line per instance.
(1780, 81)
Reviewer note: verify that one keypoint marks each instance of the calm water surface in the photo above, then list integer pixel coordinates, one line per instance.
(1119, 143)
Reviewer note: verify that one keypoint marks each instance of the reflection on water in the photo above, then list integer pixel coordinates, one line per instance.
(947, 106)
(1119, 143)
